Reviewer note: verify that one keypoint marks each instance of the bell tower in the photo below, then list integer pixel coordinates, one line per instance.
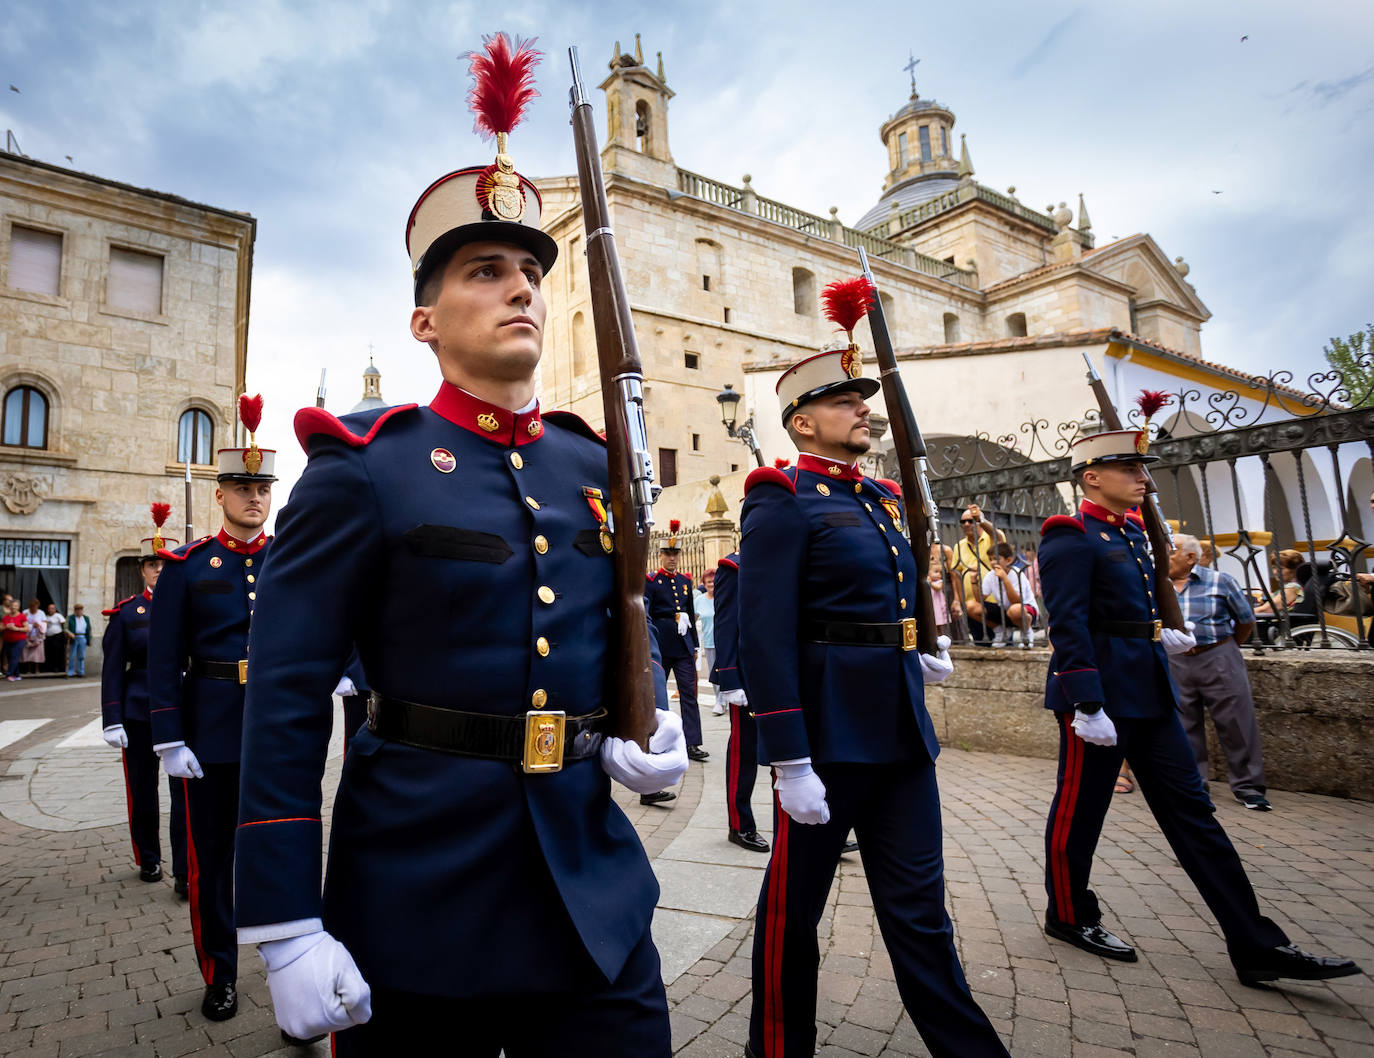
(919, 139)
(637, 119)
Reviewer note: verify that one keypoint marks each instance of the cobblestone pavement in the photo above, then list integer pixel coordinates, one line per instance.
(92, 961)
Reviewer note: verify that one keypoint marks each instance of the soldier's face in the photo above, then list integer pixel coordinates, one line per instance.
(1121, 484)
(487, 322)
(669, 562)
(246, 503)
(150, 570)
(836, 421)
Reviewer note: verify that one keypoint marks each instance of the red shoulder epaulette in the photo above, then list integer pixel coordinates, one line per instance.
(1135, 517)
(312, 421)
(115, 608)
(179, 555)
(1061, 521)
(575, 423)
(688, 576)
(768, 476)
(650, 576)
(891, 486)
(727, 561)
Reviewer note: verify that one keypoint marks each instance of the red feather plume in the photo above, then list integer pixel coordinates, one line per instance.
(502, 82)
(160, 513)
(674, 526)
(847, 301)
(782, 464)
(1151, 400)
(250, 411)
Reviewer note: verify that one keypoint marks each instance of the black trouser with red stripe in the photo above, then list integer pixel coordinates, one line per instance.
(212, 809)
(894, 809)
(741, 766)
(1164, 767)
(140, 787)
(685, 671)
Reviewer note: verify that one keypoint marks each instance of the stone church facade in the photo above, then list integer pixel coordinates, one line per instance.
(991, 302)
(123, 344)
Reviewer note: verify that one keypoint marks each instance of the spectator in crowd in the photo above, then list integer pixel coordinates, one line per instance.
(1288, 590)
(1211, 676)
(38, 632)
(55, 641)
(948, 605)
(16, 632)
(1033, 570)
(79, 634)
(1008, 602)
(972, 561)
(1208, 553)
(5, 599)
(706, 631)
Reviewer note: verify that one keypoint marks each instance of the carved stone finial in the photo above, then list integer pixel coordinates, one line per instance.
(965, 162)
(1084, 224)
(715, 502)
(835, 212)
(663, 77)
(639, 52)
(615, 56)
(1063, 216)
(1012, 191)
(1181, 267)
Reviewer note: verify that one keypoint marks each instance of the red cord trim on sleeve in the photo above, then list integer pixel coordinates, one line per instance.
(777, 712)
(293, 819)
(1067, 672)
(768, 476)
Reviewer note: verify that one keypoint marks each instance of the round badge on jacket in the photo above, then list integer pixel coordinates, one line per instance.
(443, 460)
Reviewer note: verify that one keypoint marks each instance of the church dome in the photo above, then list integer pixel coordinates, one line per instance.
(906, 195)
(921, 163)
(372, 389)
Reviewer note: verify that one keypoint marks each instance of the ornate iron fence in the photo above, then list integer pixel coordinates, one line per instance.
(1253, 470)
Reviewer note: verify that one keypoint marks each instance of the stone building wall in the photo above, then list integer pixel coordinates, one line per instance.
(1314, 711)
(117, 382)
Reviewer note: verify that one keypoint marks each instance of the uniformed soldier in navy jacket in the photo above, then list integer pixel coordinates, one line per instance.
(124, 716)
(827, 588)
(483, 889)
(669, 597)
(197, 667)
(1112, 695)
(741, 754)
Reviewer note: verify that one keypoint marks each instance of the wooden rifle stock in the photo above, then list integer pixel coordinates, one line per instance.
(1161, 542)
(630, 682)
(910, 447)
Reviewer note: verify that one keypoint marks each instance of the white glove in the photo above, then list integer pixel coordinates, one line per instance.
(733, 697)
(1176, 642)
(682, 624)
(801, 793)
(345, 688)
(1096, 728)
(937, 668)
(664, 765)
(180, 763)
(315, 985)
(115, 737)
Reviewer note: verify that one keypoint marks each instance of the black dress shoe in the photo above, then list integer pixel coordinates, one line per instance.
(656, 798)
(849, 846)
(179, 884)
(1288, 960)
(748, 839)
(697, 753)
(292, 1041)
(150, 872)
(1092, 939)
(221, 1002)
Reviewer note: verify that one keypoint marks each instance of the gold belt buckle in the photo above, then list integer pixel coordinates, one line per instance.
(908, 633)
(543, 741)
(1156, 635)
(243, 670)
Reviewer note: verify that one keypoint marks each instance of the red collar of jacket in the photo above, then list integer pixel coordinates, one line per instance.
(235, 544)
(496, 424)
(829, 468)
(1103, 515)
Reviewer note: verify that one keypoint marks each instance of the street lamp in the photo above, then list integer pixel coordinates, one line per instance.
(729, 400)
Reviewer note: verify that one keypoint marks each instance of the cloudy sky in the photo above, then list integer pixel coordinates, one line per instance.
(326, 120)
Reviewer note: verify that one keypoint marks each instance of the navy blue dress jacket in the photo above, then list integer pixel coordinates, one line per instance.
(1095, 566)
(202, 606)
(459, 547)
(665, 596)
(726, 673)
(819, 544)
(124, 668)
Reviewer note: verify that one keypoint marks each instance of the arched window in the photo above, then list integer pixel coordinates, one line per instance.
(26, 418)
(195, 437)
(579, 346)
(642, 127)
(889, 308)
(803, 292)
(1016, 325)
(951, 328)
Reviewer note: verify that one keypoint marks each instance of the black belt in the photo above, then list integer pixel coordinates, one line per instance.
(1128, 629)
(863, 633)
(540, 740)
(219, 670)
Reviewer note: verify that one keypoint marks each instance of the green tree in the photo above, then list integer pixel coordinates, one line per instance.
(1353, 357)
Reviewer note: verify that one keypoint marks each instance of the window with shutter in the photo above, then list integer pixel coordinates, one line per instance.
(35, 261)
(135, 282)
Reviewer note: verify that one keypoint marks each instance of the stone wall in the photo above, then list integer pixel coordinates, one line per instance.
(1315, 712)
